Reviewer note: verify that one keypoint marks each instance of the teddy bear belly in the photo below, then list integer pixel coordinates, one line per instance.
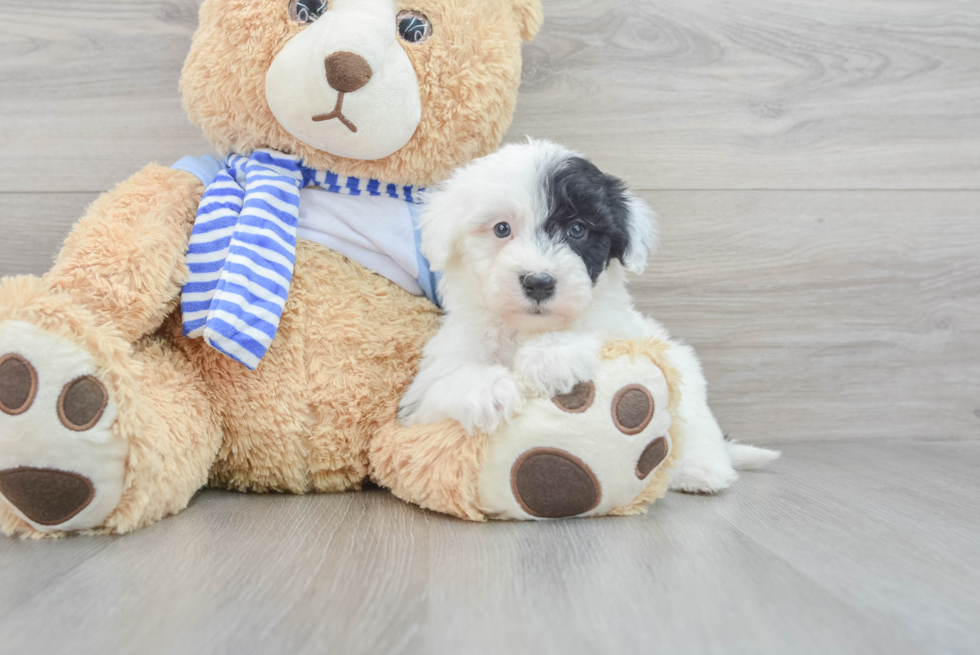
(348, 345)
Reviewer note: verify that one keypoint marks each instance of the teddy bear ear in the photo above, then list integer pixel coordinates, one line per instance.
(529, 17)
(642, 228)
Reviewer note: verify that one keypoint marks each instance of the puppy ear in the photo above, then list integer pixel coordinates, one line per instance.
(438, 228)
(529, 17)
(642, 227)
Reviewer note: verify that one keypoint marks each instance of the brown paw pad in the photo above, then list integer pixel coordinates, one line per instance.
(46, 496)
(18, 384)
(550, 483)
(577, 400)
(652, 455)
(632, 408)
(81, 403)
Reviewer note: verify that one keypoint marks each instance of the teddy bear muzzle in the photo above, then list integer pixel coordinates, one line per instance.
(346, 72)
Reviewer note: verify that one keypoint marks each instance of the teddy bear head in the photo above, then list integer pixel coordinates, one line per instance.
(396, 90)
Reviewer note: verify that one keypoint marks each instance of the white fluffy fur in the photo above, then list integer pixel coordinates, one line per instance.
(496, 347)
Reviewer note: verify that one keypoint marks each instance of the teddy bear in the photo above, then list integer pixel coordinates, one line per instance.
(250, 324)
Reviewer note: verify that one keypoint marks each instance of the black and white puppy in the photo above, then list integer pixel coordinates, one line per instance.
(534, 243)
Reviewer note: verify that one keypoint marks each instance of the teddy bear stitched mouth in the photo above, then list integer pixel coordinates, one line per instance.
(338, 114)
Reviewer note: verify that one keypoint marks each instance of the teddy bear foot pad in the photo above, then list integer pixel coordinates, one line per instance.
(61, 464)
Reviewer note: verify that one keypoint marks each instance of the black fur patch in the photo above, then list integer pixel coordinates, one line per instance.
(577, 190)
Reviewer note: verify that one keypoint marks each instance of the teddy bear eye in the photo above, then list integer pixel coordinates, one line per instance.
(413, 26)
(306, 11)
(501, 230)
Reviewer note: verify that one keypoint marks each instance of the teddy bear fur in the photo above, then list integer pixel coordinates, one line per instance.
(349, 341)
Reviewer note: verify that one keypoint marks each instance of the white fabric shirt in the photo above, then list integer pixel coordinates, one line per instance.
(374, 231)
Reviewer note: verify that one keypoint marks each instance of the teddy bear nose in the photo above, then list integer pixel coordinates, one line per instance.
(347, 72)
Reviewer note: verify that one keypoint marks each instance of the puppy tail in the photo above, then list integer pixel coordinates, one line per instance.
(748, 458)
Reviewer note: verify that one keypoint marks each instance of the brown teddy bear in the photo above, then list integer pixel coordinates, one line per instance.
(126, 372)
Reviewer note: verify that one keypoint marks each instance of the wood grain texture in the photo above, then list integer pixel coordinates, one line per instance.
(804, 94)
(841, 324)
(670, 94)
(88, 92)
(34, 225)
(826, 315)
(853, 547)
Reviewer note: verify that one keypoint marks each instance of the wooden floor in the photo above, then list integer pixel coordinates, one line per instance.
(816, 168)
(845, 547)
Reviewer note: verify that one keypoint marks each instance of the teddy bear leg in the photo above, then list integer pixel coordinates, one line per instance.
(173, 441)
(95, 434)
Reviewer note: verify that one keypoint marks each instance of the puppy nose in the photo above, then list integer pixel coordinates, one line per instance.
(347, 72)
(538, 286)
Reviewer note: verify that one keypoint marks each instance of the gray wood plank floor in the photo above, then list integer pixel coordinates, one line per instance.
(849, 547)
(816, 168)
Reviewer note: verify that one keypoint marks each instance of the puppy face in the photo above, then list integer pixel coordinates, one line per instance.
(531, 232)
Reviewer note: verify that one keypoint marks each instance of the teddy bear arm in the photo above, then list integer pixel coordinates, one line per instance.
(124, 260)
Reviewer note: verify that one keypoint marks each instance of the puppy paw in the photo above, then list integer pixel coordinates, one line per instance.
(554, 364)
(489, 401)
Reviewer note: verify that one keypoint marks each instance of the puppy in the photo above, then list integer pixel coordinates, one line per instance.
(534, 243)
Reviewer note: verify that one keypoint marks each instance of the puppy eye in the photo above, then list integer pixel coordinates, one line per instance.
(413, 26)
(502, 230)
(577, 231)
(306, 11)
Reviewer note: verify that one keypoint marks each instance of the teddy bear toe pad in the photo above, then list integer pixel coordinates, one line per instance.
(651, 457)
(579, 399)
(584, 453)
(61, 463)
(18, 384)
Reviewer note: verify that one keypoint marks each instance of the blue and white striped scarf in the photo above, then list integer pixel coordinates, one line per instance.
(243, 248)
